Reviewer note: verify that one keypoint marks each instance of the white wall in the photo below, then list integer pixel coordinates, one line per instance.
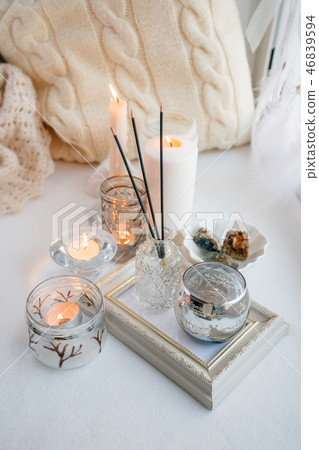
(246, 9)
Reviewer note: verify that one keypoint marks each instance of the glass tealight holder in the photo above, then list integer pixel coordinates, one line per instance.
(85, 253)
(158, 273)
(214, 304)
(66, 323)
(122, 215)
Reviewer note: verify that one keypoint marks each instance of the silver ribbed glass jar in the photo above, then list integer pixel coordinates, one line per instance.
(214, 304)
(122, 215)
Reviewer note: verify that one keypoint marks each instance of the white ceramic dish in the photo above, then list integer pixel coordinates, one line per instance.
(257, 245)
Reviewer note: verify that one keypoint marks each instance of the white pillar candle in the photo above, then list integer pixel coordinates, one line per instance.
(179, 167)
(118, 121)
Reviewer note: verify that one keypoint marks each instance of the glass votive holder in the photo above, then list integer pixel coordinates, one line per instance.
(84, 253)
(180, 154)
(158, 273)
(175, 123)
(214, 304)
(66, 324)
(122, 215)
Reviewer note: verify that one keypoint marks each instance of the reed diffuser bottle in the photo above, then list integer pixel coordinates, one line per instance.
(158, 272)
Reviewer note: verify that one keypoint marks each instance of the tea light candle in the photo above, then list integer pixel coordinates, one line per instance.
(118, 121)
(66, 314)
(125, 238)
(83, 249)
(179, 167)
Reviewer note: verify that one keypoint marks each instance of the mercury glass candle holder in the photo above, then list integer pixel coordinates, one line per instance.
(65, 319)
(158, 273)
(85, 253)
(122, 215)
(214, 304)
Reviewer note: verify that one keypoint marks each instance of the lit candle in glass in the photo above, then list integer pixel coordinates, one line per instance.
(179, 171)
(66, 314)
(124, 238)
(83, 249)
(170, 143)
(121, 212)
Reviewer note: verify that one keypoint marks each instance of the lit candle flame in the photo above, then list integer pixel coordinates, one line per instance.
(85, 242)
(169, 141)
(62, 320)
(113, 91)
(124, 235)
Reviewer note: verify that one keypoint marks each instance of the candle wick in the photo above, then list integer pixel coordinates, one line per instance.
(171, 144)
(117, 99)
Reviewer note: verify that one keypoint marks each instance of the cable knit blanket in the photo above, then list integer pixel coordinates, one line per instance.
(25, 159)
(189, 55)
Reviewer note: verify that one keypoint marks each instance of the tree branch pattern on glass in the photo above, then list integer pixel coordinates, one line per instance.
(66, 298)
(61, 353)
(89, 302)
(31, 341)
(98, 338)
(63, 298)
(38, 307)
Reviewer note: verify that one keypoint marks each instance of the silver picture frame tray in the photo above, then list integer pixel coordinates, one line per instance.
(207, 371)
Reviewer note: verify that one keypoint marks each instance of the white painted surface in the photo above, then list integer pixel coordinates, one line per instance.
(119, 401)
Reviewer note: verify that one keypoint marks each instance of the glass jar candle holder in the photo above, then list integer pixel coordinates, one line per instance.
(158, 273)
(214, 304)
(122, 215)
(65, 318)
(175, 123)
(180, 153)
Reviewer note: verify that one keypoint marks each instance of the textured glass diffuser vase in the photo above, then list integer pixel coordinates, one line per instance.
(157, 280)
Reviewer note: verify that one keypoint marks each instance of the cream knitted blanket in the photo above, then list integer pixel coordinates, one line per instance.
(189, 55)
(24, 143)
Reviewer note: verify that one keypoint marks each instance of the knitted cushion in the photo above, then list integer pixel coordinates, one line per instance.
(189, 55)
(24, 143)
